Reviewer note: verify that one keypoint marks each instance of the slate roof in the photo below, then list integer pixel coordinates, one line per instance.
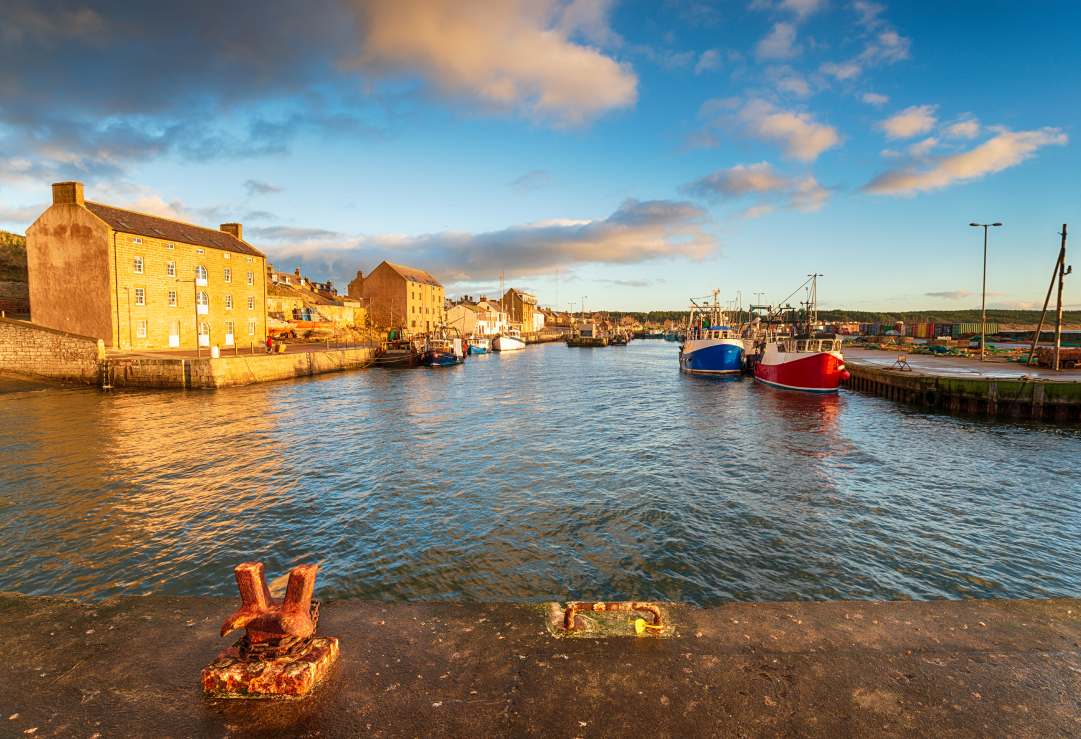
(413, 274)
(156, 227)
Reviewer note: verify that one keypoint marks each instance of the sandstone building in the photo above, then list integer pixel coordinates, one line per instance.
(520, 307)
(400, 297)
(139, 281)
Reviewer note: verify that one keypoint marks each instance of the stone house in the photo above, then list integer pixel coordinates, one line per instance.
(140, 281)
(403, 297)
(520, 307)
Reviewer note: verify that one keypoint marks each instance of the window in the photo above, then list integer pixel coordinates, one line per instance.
(140, 328)
(226, 255)
(228, 274)
(138, 265)
(172, 298)
(251, 327)
(228, 302)
(200, 251)
(140, 296)
(136, 240)
(229, 328)
(251, 303)
(202, 298)
(169, 246)
(170, 268)
(200, 272)
(414, 324)
(204, 328)
(251, 278)
(249, 260)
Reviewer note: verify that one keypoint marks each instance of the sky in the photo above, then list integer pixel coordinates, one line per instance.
(616, 155)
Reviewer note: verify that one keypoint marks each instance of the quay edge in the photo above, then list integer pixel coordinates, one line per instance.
(131, 666)
(1033, 398)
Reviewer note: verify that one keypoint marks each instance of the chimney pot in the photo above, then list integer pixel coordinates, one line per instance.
(68, 193)
(235, 229)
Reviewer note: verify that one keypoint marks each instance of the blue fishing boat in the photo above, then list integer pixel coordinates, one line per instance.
(441, 349)
(711, 346)
(479, 345)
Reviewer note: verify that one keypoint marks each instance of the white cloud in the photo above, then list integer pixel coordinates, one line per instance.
(709, 61)
(921, 149)
(637, 231)
(912, 121)
(800, 134)
(802, 8)
(779, 43)
(762, 184)
(951, 294)
(875, 99)
(789, 81)
(1005, 150)
(505, 54)
(842, 70)
(967, 129)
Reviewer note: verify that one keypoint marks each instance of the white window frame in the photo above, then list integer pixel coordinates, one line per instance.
(140, 328)
(140, 296)
(172, 298)
(227, 274)
(170, 268)
(251, 278)
(228, 302)
(251, 303)
(136, 240)
(137, 264)
(251, 327)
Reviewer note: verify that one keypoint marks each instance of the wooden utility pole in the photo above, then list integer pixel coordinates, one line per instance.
(1043, 313)
(1058, 316)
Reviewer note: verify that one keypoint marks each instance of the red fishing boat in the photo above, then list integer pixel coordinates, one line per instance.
(814, 365)
(798, 360)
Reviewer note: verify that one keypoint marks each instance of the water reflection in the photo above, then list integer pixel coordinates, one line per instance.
(539, 474)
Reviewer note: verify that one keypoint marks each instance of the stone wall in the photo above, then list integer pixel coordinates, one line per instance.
(226, 371)
(27, 349)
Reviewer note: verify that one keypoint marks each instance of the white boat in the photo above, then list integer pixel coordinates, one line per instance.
(508, 341)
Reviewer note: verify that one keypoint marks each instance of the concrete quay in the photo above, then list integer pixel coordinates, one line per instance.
(184, 370)
(961, 385)
(130, 667)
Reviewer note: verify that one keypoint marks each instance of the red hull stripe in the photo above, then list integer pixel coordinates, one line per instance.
(815, 372)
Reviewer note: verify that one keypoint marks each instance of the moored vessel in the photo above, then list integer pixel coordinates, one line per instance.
(797, 359)
(479, 345)
(508, 341)
(711, 346)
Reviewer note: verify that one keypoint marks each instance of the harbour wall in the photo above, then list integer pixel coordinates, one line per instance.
(1022, 397)
(37, 351)
(226, 371)
(130, 667)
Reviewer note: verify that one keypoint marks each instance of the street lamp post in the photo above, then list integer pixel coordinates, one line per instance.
(983, 296)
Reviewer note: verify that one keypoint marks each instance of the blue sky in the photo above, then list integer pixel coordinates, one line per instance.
(636, 153)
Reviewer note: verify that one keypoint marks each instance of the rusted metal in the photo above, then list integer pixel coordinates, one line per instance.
(279, 654)
(576, 607)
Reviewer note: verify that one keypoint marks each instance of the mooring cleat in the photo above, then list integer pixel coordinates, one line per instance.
(279, 654)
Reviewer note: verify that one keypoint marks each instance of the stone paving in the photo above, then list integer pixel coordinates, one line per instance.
(130, 667)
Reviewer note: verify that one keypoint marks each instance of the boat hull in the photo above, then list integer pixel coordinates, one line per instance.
(812, 372)
(507, 344)
(712, 357)
(478, 349)
(441, 359)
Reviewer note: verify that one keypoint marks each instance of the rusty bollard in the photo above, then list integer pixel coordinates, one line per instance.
(279, 655)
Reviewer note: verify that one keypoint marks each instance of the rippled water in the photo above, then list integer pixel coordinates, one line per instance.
(548, 473)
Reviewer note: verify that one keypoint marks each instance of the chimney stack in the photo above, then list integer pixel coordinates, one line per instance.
(68, 193)
(235, 229)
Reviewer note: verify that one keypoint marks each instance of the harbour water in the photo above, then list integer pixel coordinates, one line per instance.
(549, 473)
